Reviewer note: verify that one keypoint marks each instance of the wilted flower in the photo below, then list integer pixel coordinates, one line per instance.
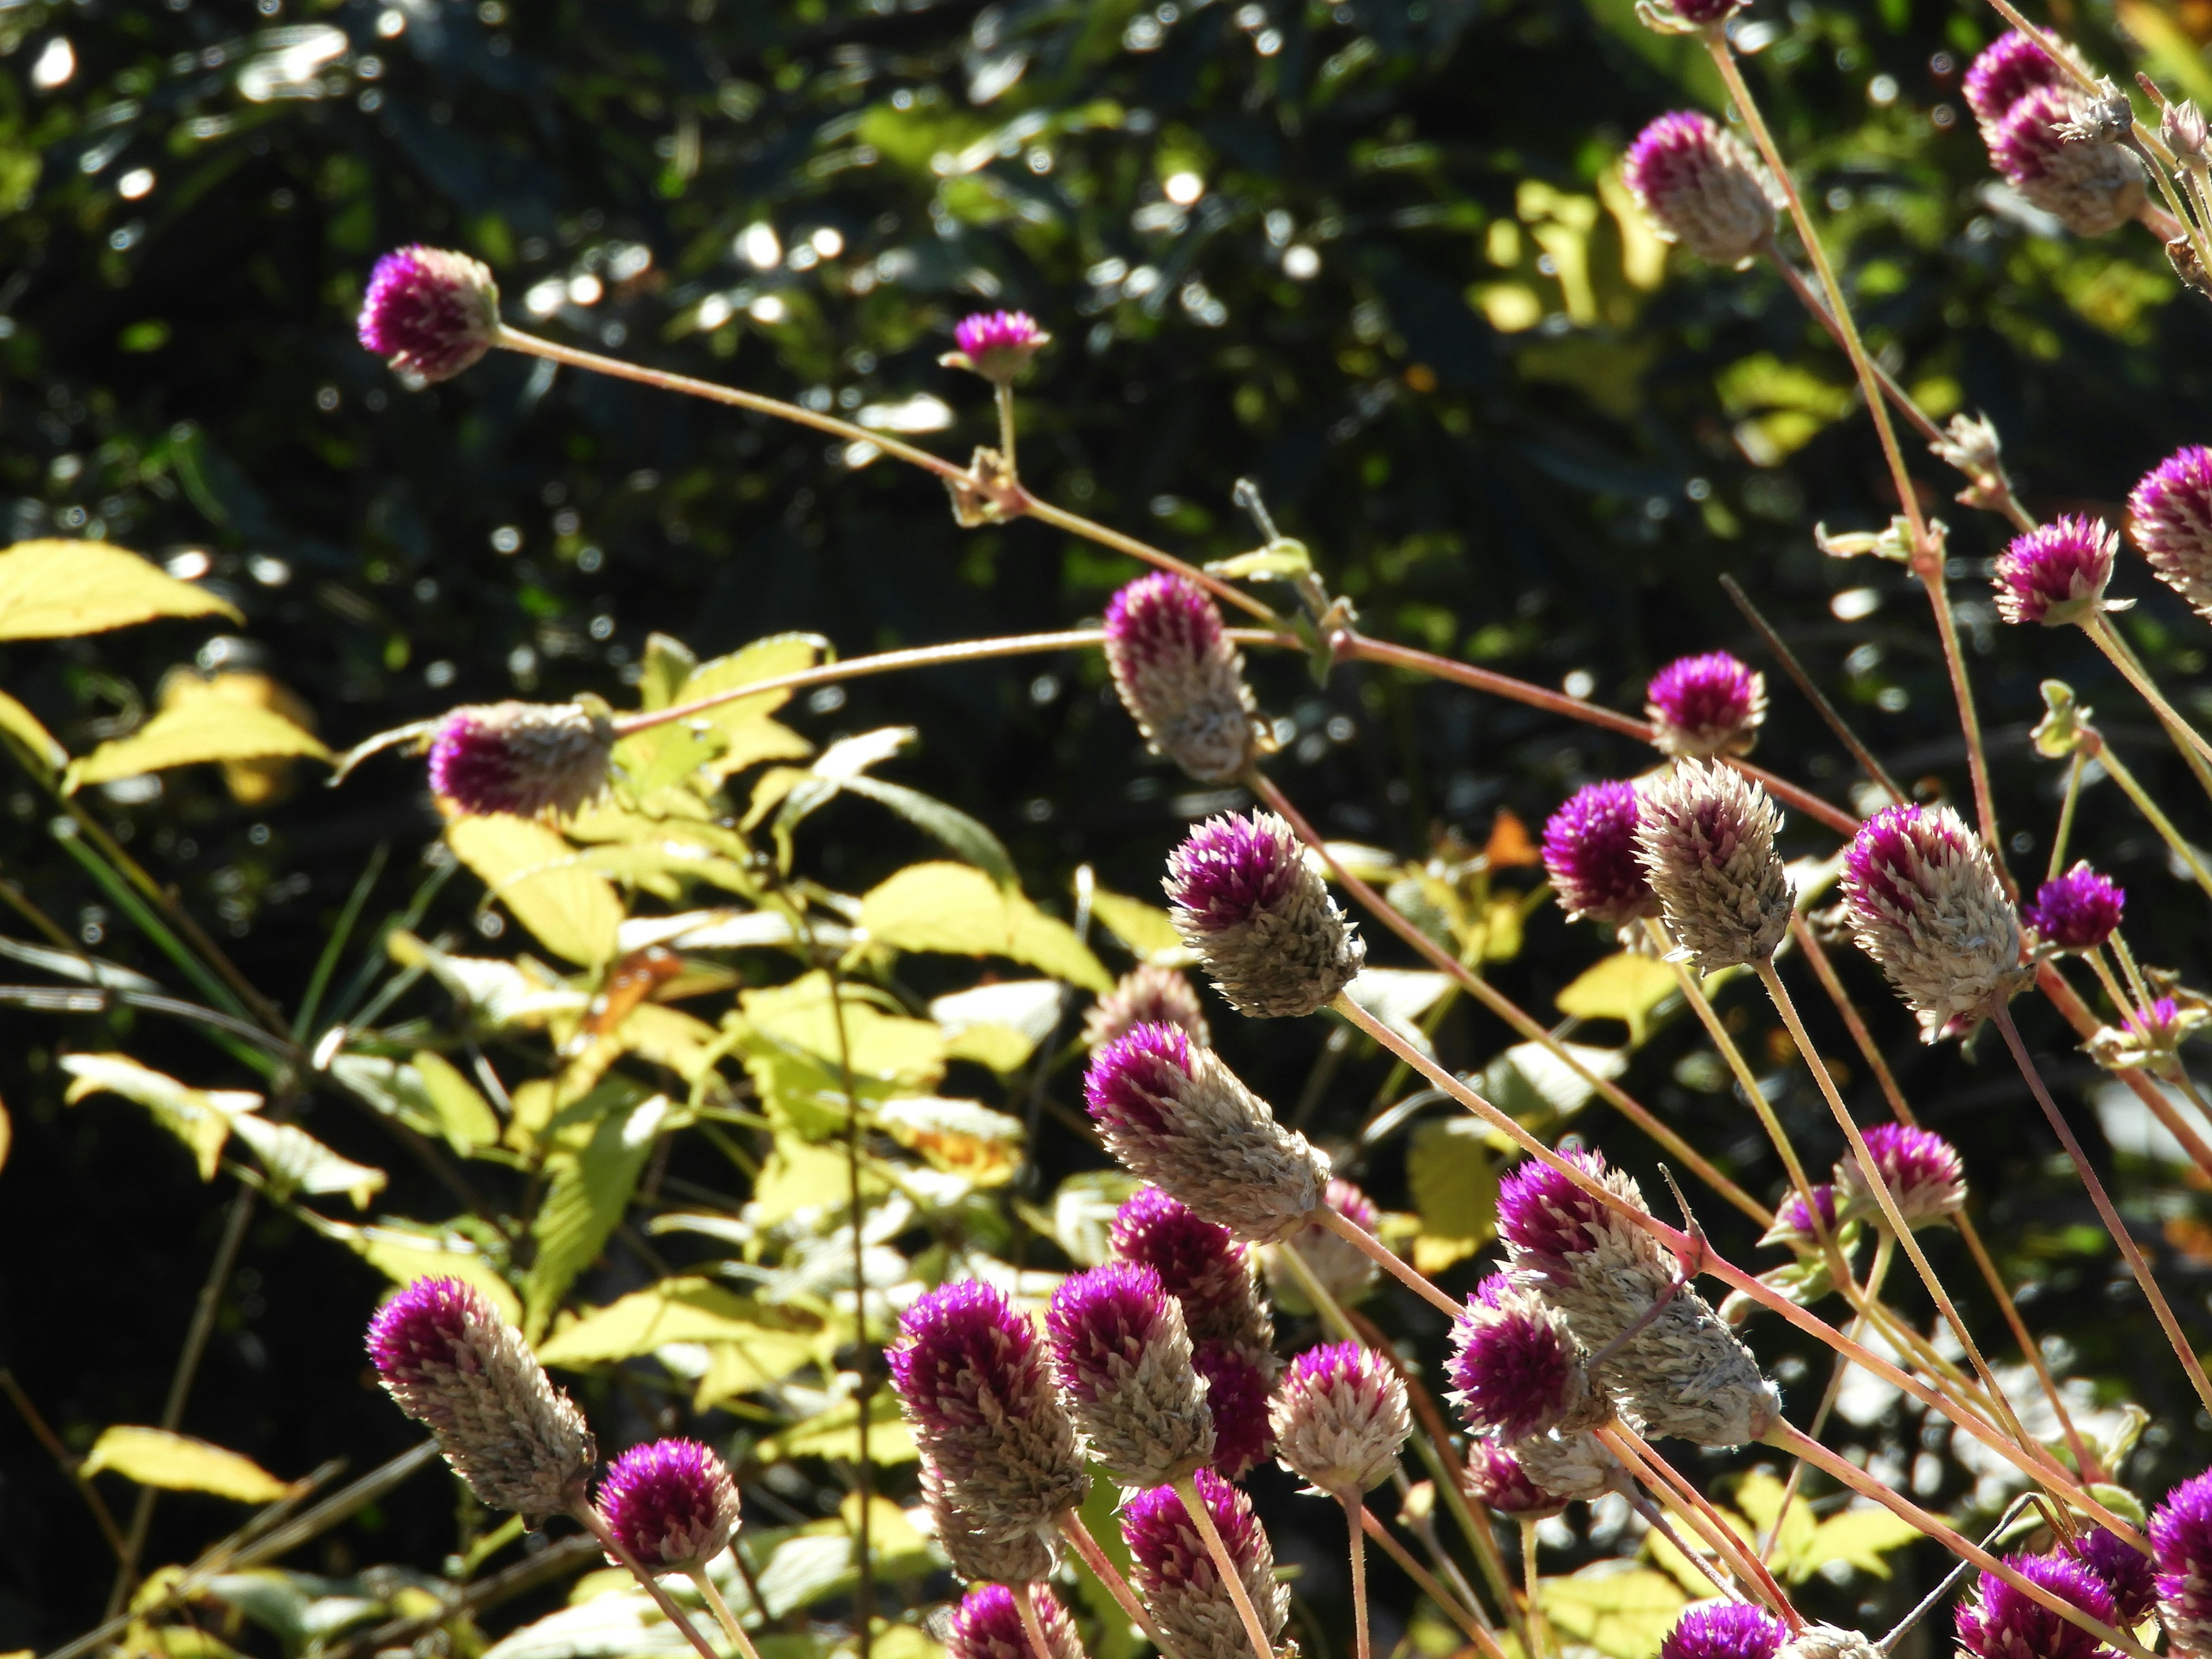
(2077, 911)
(1239, 1386)
(1341, 1418)
(2090, 186)
(2181, 1546)
(1590, 853)
(2170, 519)
(1495, 1478)
(1124, 1363)
(1699, 185)
(986, 1624)
(997, 345)
(2151, 1036)
(1260, 918)
(1923, 1172)
(1201, 1265)
(1172, 1570)
(1706, 706)
(671, 1504)
(1181, 676)
(1923, 901)
(2056, 573)
(1706, 839)
(1344, 1270)
(1724, 1630)
(2001, 1622)
(978, 1554)
(1793, 1221)
(521, 758)
(429, 313)
(1516, 1367)
(1147, 995)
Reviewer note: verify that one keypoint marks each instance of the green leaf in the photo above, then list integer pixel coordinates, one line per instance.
(1282, 557)
(889, 1047)
(1625, 986)
(463, 1116)
(801, 1175)
(1529, 1083)
(573, 911)
(177, 1462)
(198, 727)
(1144, 928)
(962, 836)
(1455, 1188)
(1623, 1610)
(957, 910)
(723, 739)
(774, 1340)
(298, 1163)
(593, 1166)
(835, 1433)
(201, 1118)
(999, 1025)
(404, 1252)
(52, 590)
(958, 1137)
(20, 724)
(805, 1570)
(1083, 1207)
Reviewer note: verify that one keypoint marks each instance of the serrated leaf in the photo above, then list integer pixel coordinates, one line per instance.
(1623, 1610)
(772, 1341)
(296, 1162)
(1529, 1082)
(572, 911)
(1455, 1187)
(1144, 928)
(178, 1462)
(404, 1252)
(957, 910)
(593, 1166)
(805, 1570)
(1625, 986)
(620, 1626)
(464, 1117)
(20, 724)
(205, 726)
(201, 1118)
(1000, 1026)
(52, 590)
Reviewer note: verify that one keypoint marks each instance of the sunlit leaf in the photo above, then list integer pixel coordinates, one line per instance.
(1455, 1187)
(59, 589)
(464, 1117)
(851, 1029)
(1531, 1083)
(573, 911)
(623, 1626)
(1000, 1026)
(774, 1341)
(1623, 1610)
(208, 727)
(177, 1462)
(835, 1433)
(1144, 928)
(957, 910)
(201, 1118)
(960, 1136)
(298, 1163)
(20, 724)
(1625, 986)
(593, 1167)
(801, 1175)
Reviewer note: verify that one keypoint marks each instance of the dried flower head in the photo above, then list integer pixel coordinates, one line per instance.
(1706, 839)
(1201, 1265)
(1341, 1418)
(1175, 1116)
(2170, 519)
(1829, 1642)
(2124, 1569)
(1181, 676)
(1516, 1367)
(1569, 1466)
(1496, 1478)
(1147, 995)
(2181, 1547)
(2001, 1622)
(986, 1624)
(1724, 1630)
(978, 1554)
(996, 345)
(1706, 706)
(671, 1504)
(1124, 1363)
(1344, 1270)
(1923, 900)
(2150, 1037)
(429, 313)
(2006, 71)
(2077, 911)
(1589, 852)
(2184, 130)
(450, 1362)
(1239, 1385)
(1923, 1172)
(2056, 573)
(1174, 1573)
(1260, 917)
(525, 758)
(2090, 187)
(1700, 185)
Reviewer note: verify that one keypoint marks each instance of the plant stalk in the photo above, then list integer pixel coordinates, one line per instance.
(727, 1620)
(1231, 1580)
(661, 1599)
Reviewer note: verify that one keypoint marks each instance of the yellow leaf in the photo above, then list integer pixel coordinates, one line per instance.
(959, 1137)
(1625, 986)
(298, 1163)
(52, 590)
(7, 1136)
(799, 1176)
(957, 910)
(775, 1341)
(1455, 1188)
(835, 1433)
(1623, 1610)
(466, 1120)
(892, 1046)
(177, 1462)
(201, 1118)
(573, 911)
(1859, 1537)
(20, 724)
(405, 1257)
(1144, 928)
(209, 726)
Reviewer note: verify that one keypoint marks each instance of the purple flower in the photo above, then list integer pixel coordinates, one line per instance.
(1237, 1390)
(1134, 1080)
(1542, 1212)
(2077, 912)
(2001, 1622)
(525, 758)
(1202, 1266)
(1147, 994)
(1495, 1478)
(986, 1624)
(1700, 185)
(418, 1336)
(2090, 186)
(1923, 900)
(2125, 1570)
(997, 345)
(1793, 1221)
(2005, 71)
(1589, 852)
(1105, 1322)
(2057, 572)
(429, 313)
(1724, 1630)
(2170, 519)
(1181, 676)
(2181, 1546)
(1515, 1369)
(1706, 706)
(1341, 1418)
(1924, 1172)
(1173, 1571)
(2158, 1022)
(1260, 918)
(1124, 1363)
(671, 1504)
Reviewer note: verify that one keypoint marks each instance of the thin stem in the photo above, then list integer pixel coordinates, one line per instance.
(1006, 402)
(1697, 1509)
(1350, 1231)
(1232, 1581)
(2098, 627)
(2174, 727)
(1540, 1635)
(2066, 806)
(1422, 1577)
(728, 1620)
(1353, 1511)
(2084, 1460)
(1811, 692)
(70, 1464)
(1076, 524)
(1885, 1251)
(661, 1599)
(2153, 815)
(1656, 1518)
(1103, 1568)
(1025, 1598)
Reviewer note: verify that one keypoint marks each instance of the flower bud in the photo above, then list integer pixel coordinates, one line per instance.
(450, 1362)
(1123, 1360)
(2006, 71)
(1516, 1367)
(1724, 1630)
(1496, 1478)
(1175, 1116)
(1345, 1271)
(525, 758)
(1923, 901)
(2091, 187)
(1589, 852)
(1793, 1221)
(1239, 1385)
(2170, 519)
(986, 1624)
(1174, 1572)
(1701, 707)
(978, 1555)
(2149, 1038)
(1923, 1172)
(2183, 127)
(671, 1504)
(2124, 1570)
(2077, 911)
(997, 345)
(1201, 1265)
(429, 313)
(2181, 1546)
(1340, 1420)
(1145, 995)
(2003, 1623)
(1706, 839)
(2056, 573)
(1700, 185)
(1260, 918)
(1181, 676)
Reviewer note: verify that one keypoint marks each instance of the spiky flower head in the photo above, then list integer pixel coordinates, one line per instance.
(1495, 1478)
(2125, 1570)
(2150, 1037)
(1706, 839)
(2181, 1546)
(1923, 1172)
(2005, 71)
(1174, 1573)
(430, 312)
(1181, 676)
(1201, 1265)
(1176, 1116)
(1793, 1220)
(525, 758)
(996, 345)
(1705, 705)
(2003, 1623)
(2091, 186)
(2170, 519)
(450, 1362)
(1724, 1630)
(986, 1624)
(1345, 1271)
(1260, 917)
(1123, 1360)
(1239, 1384)
(1589, 852)
(1829, 1642)
(2056, 573)
(671, 1504)
(2077, 911)
(972, 1381)
(978, 1554)
(1147, 994)
(1516, 1367)
(1340, 1417)
(1699, 185)
(1569, 1466)
(1923, 900)
(1550, 1222)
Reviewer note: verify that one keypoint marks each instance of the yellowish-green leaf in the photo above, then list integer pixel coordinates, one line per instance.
(1624, 987)
(1857, 1537)
(465, 1118)
(177, 1462)
(573, 912)
(404, 1255)
(957, 910)
(835, 1433)
(772, 1341)
(20, 724)
(1000, 1026)
(1454, 1190)
(801, 1175)
(729, 737)
(201, 1118)
(1144, 928)
(594, 1167)
(892, 1047)
(203, 726)
(52, 590)
(1001, 1048)
(296, 1162)
(959, 1137)
(1623, 1610)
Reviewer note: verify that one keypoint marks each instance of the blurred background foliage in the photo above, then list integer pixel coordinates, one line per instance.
(1373, 255)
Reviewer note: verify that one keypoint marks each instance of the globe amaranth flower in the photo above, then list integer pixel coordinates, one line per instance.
(2170, 519)
(1923, 1172)
(1342, 1268)
(1792, 1220)
(2125, 1570)
(1201, 1265)
(1147, 995)
(1341, 1418)
(2001, 1622)
(1515, 1367)
(2056, 573)
(986, 1624)
(1705, 705)
(1549, 1222)
(997, 344)
(2077, 911)
(1123, 1360)
(671, 1504)
(1700, 185)
(449, 1361)
(1496, 1478)
(1705, 838)
(2091, 186)
(2150, 1037)
(2181, 1547)
(525, 758)
(1174, 1573)
(1176, 1116)
(1569, 1466)
(1724, 1630)
(1239, 1385)
(2004, 72)
(978, 1554)
(1181, 676)
(429, 313)
(1260, 917)
(1829, 1642)
(1923, 900)
(1590, 853)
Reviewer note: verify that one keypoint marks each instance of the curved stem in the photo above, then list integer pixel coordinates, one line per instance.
(1352, 1233)
(661, 1599)
(1103, 1568)
(2099, 630)
(2175, 727)
(2153, 814)
(1231, 1580)
(1426, 1580)
(1679, 1494)
(727, 1620)
(1539, 1634)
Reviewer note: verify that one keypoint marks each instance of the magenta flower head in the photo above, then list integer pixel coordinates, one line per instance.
(1516, 1367)
(986, 1624)
(1706, 706)
(1341, 1418)
(1724, 1630)
(1147, 995)
(1175, 1575)
(2125, 1570)
(2091, 186)
(2056, 573)
(1123, 1359)
(525, 758)
(671, 1504)
(1202, 1266)
(2001, 1622)
(1924, 1172)
(450, 1362)
(2170, 519)
(1700, 185)
(1589, 852)
(2181, 1546)
(997, 345)
(1239, 1382)
(2004, 72)
(1496, 1478)
(1181, 678)
(1176, 1116)
(1548, 1221)
(1260, 917)
(2078, 911)
(1345, 1272)
(429, 313)
(1705, 837)
(1793, 1221)
(1923, 901)
(973, 1382)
